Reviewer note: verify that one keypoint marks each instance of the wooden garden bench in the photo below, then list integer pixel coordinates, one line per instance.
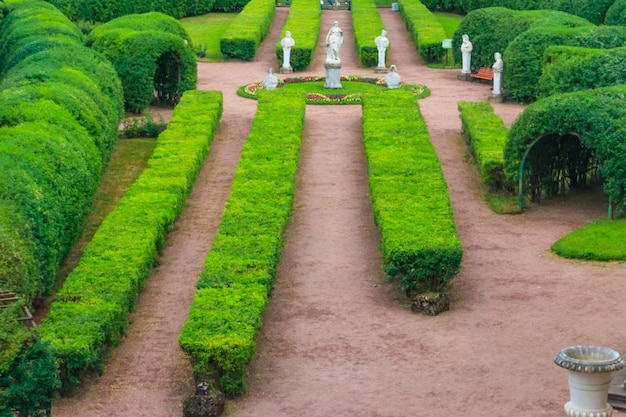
(483, 73)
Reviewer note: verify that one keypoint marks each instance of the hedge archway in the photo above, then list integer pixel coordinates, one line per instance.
(152, 54)
(597, 118)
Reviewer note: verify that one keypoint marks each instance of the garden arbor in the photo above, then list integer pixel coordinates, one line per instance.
(563, 141)
(152, 54)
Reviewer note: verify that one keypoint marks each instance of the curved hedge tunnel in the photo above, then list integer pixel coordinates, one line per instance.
(597, 117)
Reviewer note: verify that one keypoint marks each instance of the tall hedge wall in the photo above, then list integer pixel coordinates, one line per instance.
(493, 29)
(304, 24)
(136, 45)
(245, 33)
(90, 312)
(523, 57)
(220, 333)
(367, 25)
(598, 117)
(426, 31)
(105, 10)
(420, 244)
(568, 69)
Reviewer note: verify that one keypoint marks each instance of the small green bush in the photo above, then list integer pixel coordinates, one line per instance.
(412, 210)
(486, 135)
(219, 335)
(304, 24)
(247, 30)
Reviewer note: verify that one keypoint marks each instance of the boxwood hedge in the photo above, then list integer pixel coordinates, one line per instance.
(367, 25)
(486, 135)
(245, 33)
(304, 24)
(91, 310)
(426, 31)
(219, 335)
(412, 210)
(146, 49)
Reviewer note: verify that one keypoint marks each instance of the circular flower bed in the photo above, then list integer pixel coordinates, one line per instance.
(250, 90)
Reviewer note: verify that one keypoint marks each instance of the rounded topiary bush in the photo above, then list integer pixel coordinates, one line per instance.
(151, 52)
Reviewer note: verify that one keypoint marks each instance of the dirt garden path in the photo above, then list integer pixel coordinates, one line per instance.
(339, 341)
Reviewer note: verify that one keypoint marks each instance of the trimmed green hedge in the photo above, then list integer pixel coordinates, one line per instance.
(616, 15)
(426, 31)
(412, 210)
(524, 56)
(568, 69)
(598, 117)
(492, 29)
(227, 310)
(245, 33)
(304, 24)
(105, 10)
(147, 49)
(486, 135)
(367, 25)
(91, 310)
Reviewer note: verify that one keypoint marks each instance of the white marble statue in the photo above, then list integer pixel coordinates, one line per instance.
(392, 78)
(270, 81)
(466, 54)
(334, 39)
(382, 43)
(287, 43)
(498, 66)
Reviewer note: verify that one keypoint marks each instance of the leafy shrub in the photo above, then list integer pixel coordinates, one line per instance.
(151, 52)
(616, 15)
(248, 29)
(487, 136)
(523, 57)
(145, 127)
(219, 335)
(91, 310)
(409, 194)
(367, 25)
(304, 24)
(426, 31)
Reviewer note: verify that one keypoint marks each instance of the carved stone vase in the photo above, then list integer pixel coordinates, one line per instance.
(590, 369)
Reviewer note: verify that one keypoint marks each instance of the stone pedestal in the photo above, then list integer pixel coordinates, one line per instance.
(589, 375)
(381, 70)
(464, 76)
(286, 70)
(333, 77)
(430, 303)
(495, 98)
(617, 390)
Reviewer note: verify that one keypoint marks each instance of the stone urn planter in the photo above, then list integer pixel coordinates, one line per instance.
(590, 369)
(430, 303)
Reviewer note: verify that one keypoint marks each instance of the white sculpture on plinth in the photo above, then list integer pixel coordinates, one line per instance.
(497, 67)
(287, 43)
(382, 43)
(466, 55)
(334, 39)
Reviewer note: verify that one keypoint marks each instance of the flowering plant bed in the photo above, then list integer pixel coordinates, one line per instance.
(353, 86)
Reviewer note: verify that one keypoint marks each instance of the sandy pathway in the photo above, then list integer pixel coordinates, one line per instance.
(337, 340)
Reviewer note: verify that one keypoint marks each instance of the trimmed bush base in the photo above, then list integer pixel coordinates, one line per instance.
(430, 303)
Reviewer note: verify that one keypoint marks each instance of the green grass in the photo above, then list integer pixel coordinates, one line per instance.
(502, 203)
(602, 240)
(205, 32)
(450, 23)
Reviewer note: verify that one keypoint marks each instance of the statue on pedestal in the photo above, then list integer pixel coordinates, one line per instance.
(334, 39)
(287, 43)
(382, 43)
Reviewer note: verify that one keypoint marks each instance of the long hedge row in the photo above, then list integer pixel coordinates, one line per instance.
(593, 10)
(147, 49)
(486, 135)
(524, 57)
(219, 335)
(426, 31)
(103, 11)
(367, 25)
(567, 69)
(245, 33)
(91, 310)
(304, 24)
(493, 29)
(412, 210)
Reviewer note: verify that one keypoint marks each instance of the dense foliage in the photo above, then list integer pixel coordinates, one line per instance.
(304, 24)
(592, 10)
(248, 29)
(151, 52)
(616, 15)
(492, 29)
(105, 10)
(486, 135)
(90, 312)
(524, 57)
(412, 210)
(568, 69)
(426, 31)
(367, 25)
(582, 132)
(219, 335)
